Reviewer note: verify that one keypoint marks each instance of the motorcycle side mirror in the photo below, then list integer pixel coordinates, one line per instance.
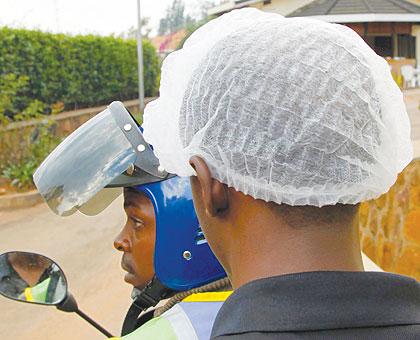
(35, 278)
(32, 278)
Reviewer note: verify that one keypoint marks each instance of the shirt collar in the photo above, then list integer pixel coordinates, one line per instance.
(5, 267)
(320, 301)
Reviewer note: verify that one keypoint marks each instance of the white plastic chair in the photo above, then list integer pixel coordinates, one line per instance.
(417, 76)
(407, 72)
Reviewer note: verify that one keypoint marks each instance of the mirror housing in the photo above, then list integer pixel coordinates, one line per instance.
(32, 278)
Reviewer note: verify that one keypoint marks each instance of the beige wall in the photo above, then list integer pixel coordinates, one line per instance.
(416, 32)
(283, 7)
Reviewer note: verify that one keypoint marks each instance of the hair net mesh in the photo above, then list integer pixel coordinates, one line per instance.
(286, 110)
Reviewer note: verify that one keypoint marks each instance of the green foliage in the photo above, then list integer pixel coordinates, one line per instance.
(39, 143)
(21, 174)
(37, 69)
(42, 142)
(175, 18)
(10, 88)
(78, 71)
(34, 110)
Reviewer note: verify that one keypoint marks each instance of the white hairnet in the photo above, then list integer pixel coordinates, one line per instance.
(286, 110)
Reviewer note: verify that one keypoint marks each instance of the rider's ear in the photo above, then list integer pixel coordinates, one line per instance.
(214, 194)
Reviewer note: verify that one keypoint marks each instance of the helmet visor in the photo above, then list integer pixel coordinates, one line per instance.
(84, 163)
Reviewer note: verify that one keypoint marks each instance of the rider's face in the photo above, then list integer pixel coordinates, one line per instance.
(137, 239)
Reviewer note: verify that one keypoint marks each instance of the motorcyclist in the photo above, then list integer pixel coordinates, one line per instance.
(137, 242)
(74, 176)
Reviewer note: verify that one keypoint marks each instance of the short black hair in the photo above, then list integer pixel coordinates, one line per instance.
(306, 216)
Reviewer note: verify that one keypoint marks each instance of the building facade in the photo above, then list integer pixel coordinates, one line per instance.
(282, 7)
(390, 27)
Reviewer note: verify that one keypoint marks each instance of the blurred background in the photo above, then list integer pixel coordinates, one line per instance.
(62, 61)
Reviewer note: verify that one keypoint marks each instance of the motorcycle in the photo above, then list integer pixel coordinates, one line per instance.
(34, 278)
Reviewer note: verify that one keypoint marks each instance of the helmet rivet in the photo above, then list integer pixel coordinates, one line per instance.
(130, 169)
(161, 168)
(141, 148)
(127, 127)
(187, 255)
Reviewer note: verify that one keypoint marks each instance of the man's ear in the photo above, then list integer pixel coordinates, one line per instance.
(213, 193)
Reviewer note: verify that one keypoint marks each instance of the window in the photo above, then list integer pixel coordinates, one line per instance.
(382, 46)
(406, 46)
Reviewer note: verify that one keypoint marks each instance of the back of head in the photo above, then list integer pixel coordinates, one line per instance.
(291, 111)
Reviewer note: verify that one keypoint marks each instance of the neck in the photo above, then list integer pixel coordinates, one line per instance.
(263, 247)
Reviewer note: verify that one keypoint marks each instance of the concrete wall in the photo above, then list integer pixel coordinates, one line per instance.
(390, 225)
(15, 137)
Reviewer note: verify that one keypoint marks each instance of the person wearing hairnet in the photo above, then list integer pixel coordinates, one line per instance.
(284, 126)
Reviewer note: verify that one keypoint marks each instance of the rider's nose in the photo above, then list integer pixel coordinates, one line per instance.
(121, 243)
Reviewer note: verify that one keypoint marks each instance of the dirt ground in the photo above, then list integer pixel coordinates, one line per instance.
(82, 246)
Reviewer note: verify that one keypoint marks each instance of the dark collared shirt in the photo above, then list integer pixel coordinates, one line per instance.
(323, 305)
(11, 284)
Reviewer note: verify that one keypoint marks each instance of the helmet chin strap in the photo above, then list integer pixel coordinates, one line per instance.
(143, 299)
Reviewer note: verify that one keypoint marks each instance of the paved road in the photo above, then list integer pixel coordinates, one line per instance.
(83, 248)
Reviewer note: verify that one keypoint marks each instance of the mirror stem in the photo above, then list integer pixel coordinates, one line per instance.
(94, 323)
(70, 305)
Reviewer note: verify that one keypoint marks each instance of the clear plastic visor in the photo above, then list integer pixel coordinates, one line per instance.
(83, 164)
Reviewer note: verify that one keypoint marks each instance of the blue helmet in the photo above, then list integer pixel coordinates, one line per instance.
(88, 170)
(183, 259)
